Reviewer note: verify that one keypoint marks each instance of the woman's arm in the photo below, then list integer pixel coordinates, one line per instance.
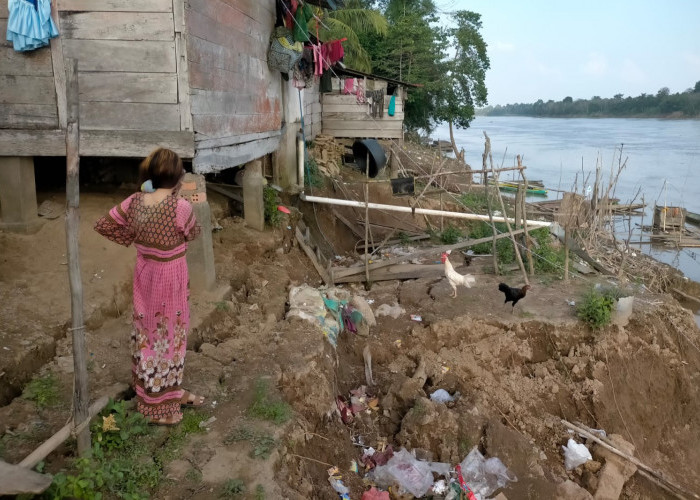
(116, 225)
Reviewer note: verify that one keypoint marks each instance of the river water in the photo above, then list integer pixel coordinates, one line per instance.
(663, 159)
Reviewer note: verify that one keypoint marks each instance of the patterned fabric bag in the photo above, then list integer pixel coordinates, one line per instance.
(279, 57)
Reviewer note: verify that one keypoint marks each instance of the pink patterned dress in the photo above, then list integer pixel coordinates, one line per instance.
(160, 234)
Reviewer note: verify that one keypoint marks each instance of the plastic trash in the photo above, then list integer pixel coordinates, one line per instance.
(575, 454)
(441, 396)
(374, 494)
(405, 470)
(484, 476)
(440, 487)
(386, 310)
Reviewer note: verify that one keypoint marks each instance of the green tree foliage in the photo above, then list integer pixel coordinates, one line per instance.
(448, 62)
(663, 103)
(354, 21)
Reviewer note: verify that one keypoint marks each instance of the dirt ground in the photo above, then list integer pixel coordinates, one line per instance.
(518, 373)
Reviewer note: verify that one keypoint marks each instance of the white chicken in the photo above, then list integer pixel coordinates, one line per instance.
(453, 277)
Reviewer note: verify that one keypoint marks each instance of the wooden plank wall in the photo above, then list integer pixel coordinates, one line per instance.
(128, 72)
(343, 116)
(312, 112)
(27, 97)
(235, 99)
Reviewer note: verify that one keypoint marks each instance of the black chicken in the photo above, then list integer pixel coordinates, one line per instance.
(513, 294)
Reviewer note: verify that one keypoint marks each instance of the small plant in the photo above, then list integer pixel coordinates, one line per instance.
(596, 308)
(271, 201)
(262, 442)
(193, 475)
(115, 426)
(450, 235)
(312, 175)
(43, 391)
(259, 492)
(404, 238)
(476, 201)
(266, 407)
(222, 305)
(233, 488)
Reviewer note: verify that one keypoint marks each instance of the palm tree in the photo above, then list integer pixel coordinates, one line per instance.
(348, 22)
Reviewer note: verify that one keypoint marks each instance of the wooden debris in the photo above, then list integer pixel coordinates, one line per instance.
(17, 480)
(328, 155)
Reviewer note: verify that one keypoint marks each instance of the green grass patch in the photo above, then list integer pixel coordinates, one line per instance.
(451, 235)
(268, 407)
(233, 488)
(271, 201)
(44, 391)
(128, 456)
(262, 442)
(312, 175)
(595, 309)
(259, 492)
(476, 201)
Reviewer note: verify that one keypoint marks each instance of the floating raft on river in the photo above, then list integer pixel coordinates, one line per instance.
(533, 187)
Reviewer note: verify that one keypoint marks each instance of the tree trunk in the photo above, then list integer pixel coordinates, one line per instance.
(459, 155)
(81, 396)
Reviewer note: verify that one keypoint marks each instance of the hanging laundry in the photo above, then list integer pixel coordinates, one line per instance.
(290, 8)
(29, 24)
(326, 83)
(360, 91)
(301, 19)
(349, 87)
(376, 100)
(392, 105)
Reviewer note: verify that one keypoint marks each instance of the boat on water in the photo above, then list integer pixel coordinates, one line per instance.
(692, 218)
(532, 189)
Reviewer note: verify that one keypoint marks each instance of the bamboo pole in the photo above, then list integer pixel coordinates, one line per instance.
(367, 219)
(528, 243)
(658, 475)
(510, 230)
(487, 153)
(81, 394)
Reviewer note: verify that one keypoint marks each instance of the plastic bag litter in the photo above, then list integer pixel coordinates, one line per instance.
(386, 310)
(484, 476)
(412, 475)
(575, 454)
(441, 396)
(374, 494)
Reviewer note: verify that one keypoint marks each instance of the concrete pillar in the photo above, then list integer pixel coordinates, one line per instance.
(200, 251)
(253, 202)
(18, 194)
(285, 159)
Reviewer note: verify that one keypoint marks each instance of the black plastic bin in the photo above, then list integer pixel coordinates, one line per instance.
(377, 157)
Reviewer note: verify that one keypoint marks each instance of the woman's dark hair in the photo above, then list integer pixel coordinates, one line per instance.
(163, 167)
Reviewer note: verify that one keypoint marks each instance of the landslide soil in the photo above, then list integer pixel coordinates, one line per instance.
(518, 373)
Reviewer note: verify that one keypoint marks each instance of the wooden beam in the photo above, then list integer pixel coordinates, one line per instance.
(106, 86)
(124, 55)
(59, 70)
(312, 256)
(81, 395)
(116, 5)
(118, 25)
(183, 80)
(395, 272)
(339, 273)
(16, 480)
(116, 143)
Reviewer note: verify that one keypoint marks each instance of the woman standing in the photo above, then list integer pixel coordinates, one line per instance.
(160, 224)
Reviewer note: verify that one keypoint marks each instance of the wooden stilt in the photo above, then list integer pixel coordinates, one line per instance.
(81, 396)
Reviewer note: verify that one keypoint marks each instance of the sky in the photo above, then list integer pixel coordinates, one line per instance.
(542, 49)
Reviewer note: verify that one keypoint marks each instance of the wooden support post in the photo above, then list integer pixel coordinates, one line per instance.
(510, 229)
(528, 243)
(566, 253)
(367, 216)
(81, 395)
(487, 153)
